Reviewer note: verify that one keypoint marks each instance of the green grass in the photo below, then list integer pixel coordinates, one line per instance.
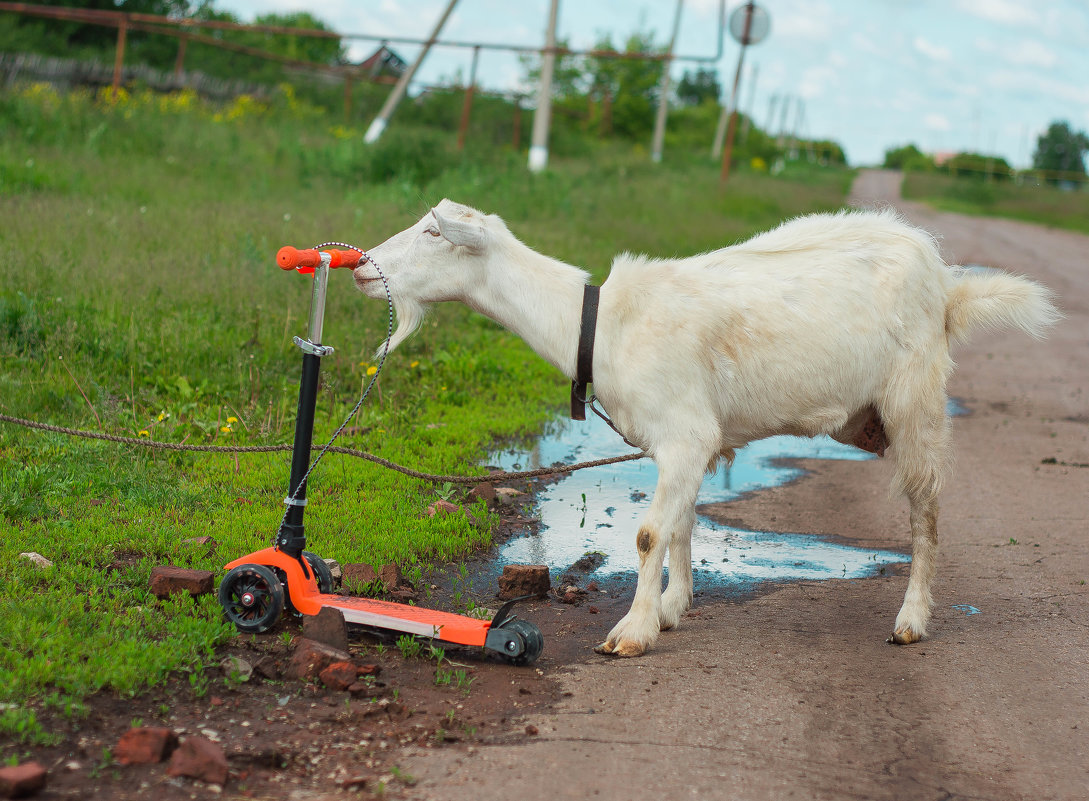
(140, 295)
(1039, 204)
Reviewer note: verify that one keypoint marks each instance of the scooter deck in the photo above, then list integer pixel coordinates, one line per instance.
(306, 598)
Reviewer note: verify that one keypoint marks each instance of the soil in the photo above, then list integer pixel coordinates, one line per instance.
(790, 692)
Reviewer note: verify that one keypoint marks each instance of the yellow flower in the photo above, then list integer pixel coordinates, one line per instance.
(145, 433)
(372, 370)
(225, 429)
(415, 364)
(232, 420)
(162, 416)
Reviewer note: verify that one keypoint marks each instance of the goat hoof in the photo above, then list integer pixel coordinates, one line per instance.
(904, 636)
(622, 648)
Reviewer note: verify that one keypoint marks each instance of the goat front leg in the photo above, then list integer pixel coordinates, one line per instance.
(670, 518)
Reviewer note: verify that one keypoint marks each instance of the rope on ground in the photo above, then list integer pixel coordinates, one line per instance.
(370, 457)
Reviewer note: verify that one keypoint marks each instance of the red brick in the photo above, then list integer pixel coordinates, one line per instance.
(145, 745)
(167, 580)
(519, 580)
(19, 781)
(199, 758)
(311, 658)
(339, 675)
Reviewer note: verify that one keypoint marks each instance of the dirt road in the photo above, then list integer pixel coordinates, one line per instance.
(794, 694)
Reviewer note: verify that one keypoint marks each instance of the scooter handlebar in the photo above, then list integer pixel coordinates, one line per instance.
(290, 258)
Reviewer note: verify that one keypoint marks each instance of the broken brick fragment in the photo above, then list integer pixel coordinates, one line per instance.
(145, 745)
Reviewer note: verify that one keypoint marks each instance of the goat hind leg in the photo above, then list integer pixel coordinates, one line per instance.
(915, 613)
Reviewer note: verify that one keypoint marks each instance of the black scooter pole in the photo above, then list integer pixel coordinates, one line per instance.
(291, 538)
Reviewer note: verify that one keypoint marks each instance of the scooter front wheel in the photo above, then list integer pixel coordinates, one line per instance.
(252, 597)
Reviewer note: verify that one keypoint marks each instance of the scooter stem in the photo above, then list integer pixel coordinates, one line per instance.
(291, 538)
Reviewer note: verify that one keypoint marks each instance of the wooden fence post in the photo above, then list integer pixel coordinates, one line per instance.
(119, 55)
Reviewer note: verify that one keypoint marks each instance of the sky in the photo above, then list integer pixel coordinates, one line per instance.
(946, 75)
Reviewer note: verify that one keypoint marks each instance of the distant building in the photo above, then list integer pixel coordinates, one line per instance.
(942, 156)
(383, 63)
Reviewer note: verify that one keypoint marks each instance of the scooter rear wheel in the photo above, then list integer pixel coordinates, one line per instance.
(253, 598)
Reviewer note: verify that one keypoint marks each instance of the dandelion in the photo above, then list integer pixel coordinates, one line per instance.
(145, 433)
(162, 416)
(232, 420)
(372, 370)
(225, 429)
(415, 364)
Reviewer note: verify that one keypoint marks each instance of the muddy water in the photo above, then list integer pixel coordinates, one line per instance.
(597, 511)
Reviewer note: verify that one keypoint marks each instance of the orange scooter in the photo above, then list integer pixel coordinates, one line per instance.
(259, 586)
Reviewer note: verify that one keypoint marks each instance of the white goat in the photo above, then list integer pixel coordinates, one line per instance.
(828, 324)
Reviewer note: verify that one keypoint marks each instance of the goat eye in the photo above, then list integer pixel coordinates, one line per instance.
(434, 232)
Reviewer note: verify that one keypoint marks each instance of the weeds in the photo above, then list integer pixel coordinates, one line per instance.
(159, 315)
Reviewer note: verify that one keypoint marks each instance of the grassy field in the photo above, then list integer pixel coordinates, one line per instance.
(1040, 204)
(140, 298)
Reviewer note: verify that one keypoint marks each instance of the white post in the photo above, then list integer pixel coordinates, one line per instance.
(379, 125)
(538, 148)
(663, 92)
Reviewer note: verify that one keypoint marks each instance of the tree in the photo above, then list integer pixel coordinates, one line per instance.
(627, 86)
(1060, 150)
(698, 87)
(907, 158)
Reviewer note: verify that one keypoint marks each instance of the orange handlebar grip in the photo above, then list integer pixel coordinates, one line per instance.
(344, 258)
(290, 258)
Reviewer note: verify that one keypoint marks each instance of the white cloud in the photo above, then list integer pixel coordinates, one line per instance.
(1031, 53)
(937, 122)
(1006, 12)
(932, 51)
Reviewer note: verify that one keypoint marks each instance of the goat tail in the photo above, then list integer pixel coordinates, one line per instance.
(994, 299)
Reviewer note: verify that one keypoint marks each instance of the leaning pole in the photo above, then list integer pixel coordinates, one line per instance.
(538, 149)
(379, 125)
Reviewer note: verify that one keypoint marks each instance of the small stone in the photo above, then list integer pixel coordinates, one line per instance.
(199, 758)
(592, 587)
(167, 580)
(531, 729)
(19, 781)
(593, 610)
(442, 508)
(327, 627)
(266, 668)
(145, 745)
(339, 675)
(520, 580)
(334, 569)
(236, 668)
(570, 597)
(508, 492)
(205, 541)
(38, 560)
(484, 492)
(311, 658)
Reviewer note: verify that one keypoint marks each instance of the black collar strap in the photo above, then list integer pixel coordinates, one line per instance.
(584, 366)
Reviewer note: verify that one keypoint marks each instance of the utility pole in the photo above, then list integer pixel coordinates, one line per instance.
(747, 122)
(379, 125)
(538, 149)
(467, 104)
(663, 92)
(749, 25)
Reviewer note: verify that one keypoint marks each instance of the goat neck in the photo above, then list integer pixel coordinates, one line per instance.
(537, 297)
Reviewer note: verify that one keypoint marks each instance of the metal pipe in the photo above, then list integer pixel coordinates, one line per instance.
(380, 122)
(110, 18)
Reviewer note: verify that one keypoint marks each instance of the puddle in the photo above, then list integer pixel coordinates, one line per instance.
(598, 511)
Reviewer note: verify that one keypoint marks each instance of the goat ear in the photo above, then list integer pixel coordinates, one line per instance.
(460, 232)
